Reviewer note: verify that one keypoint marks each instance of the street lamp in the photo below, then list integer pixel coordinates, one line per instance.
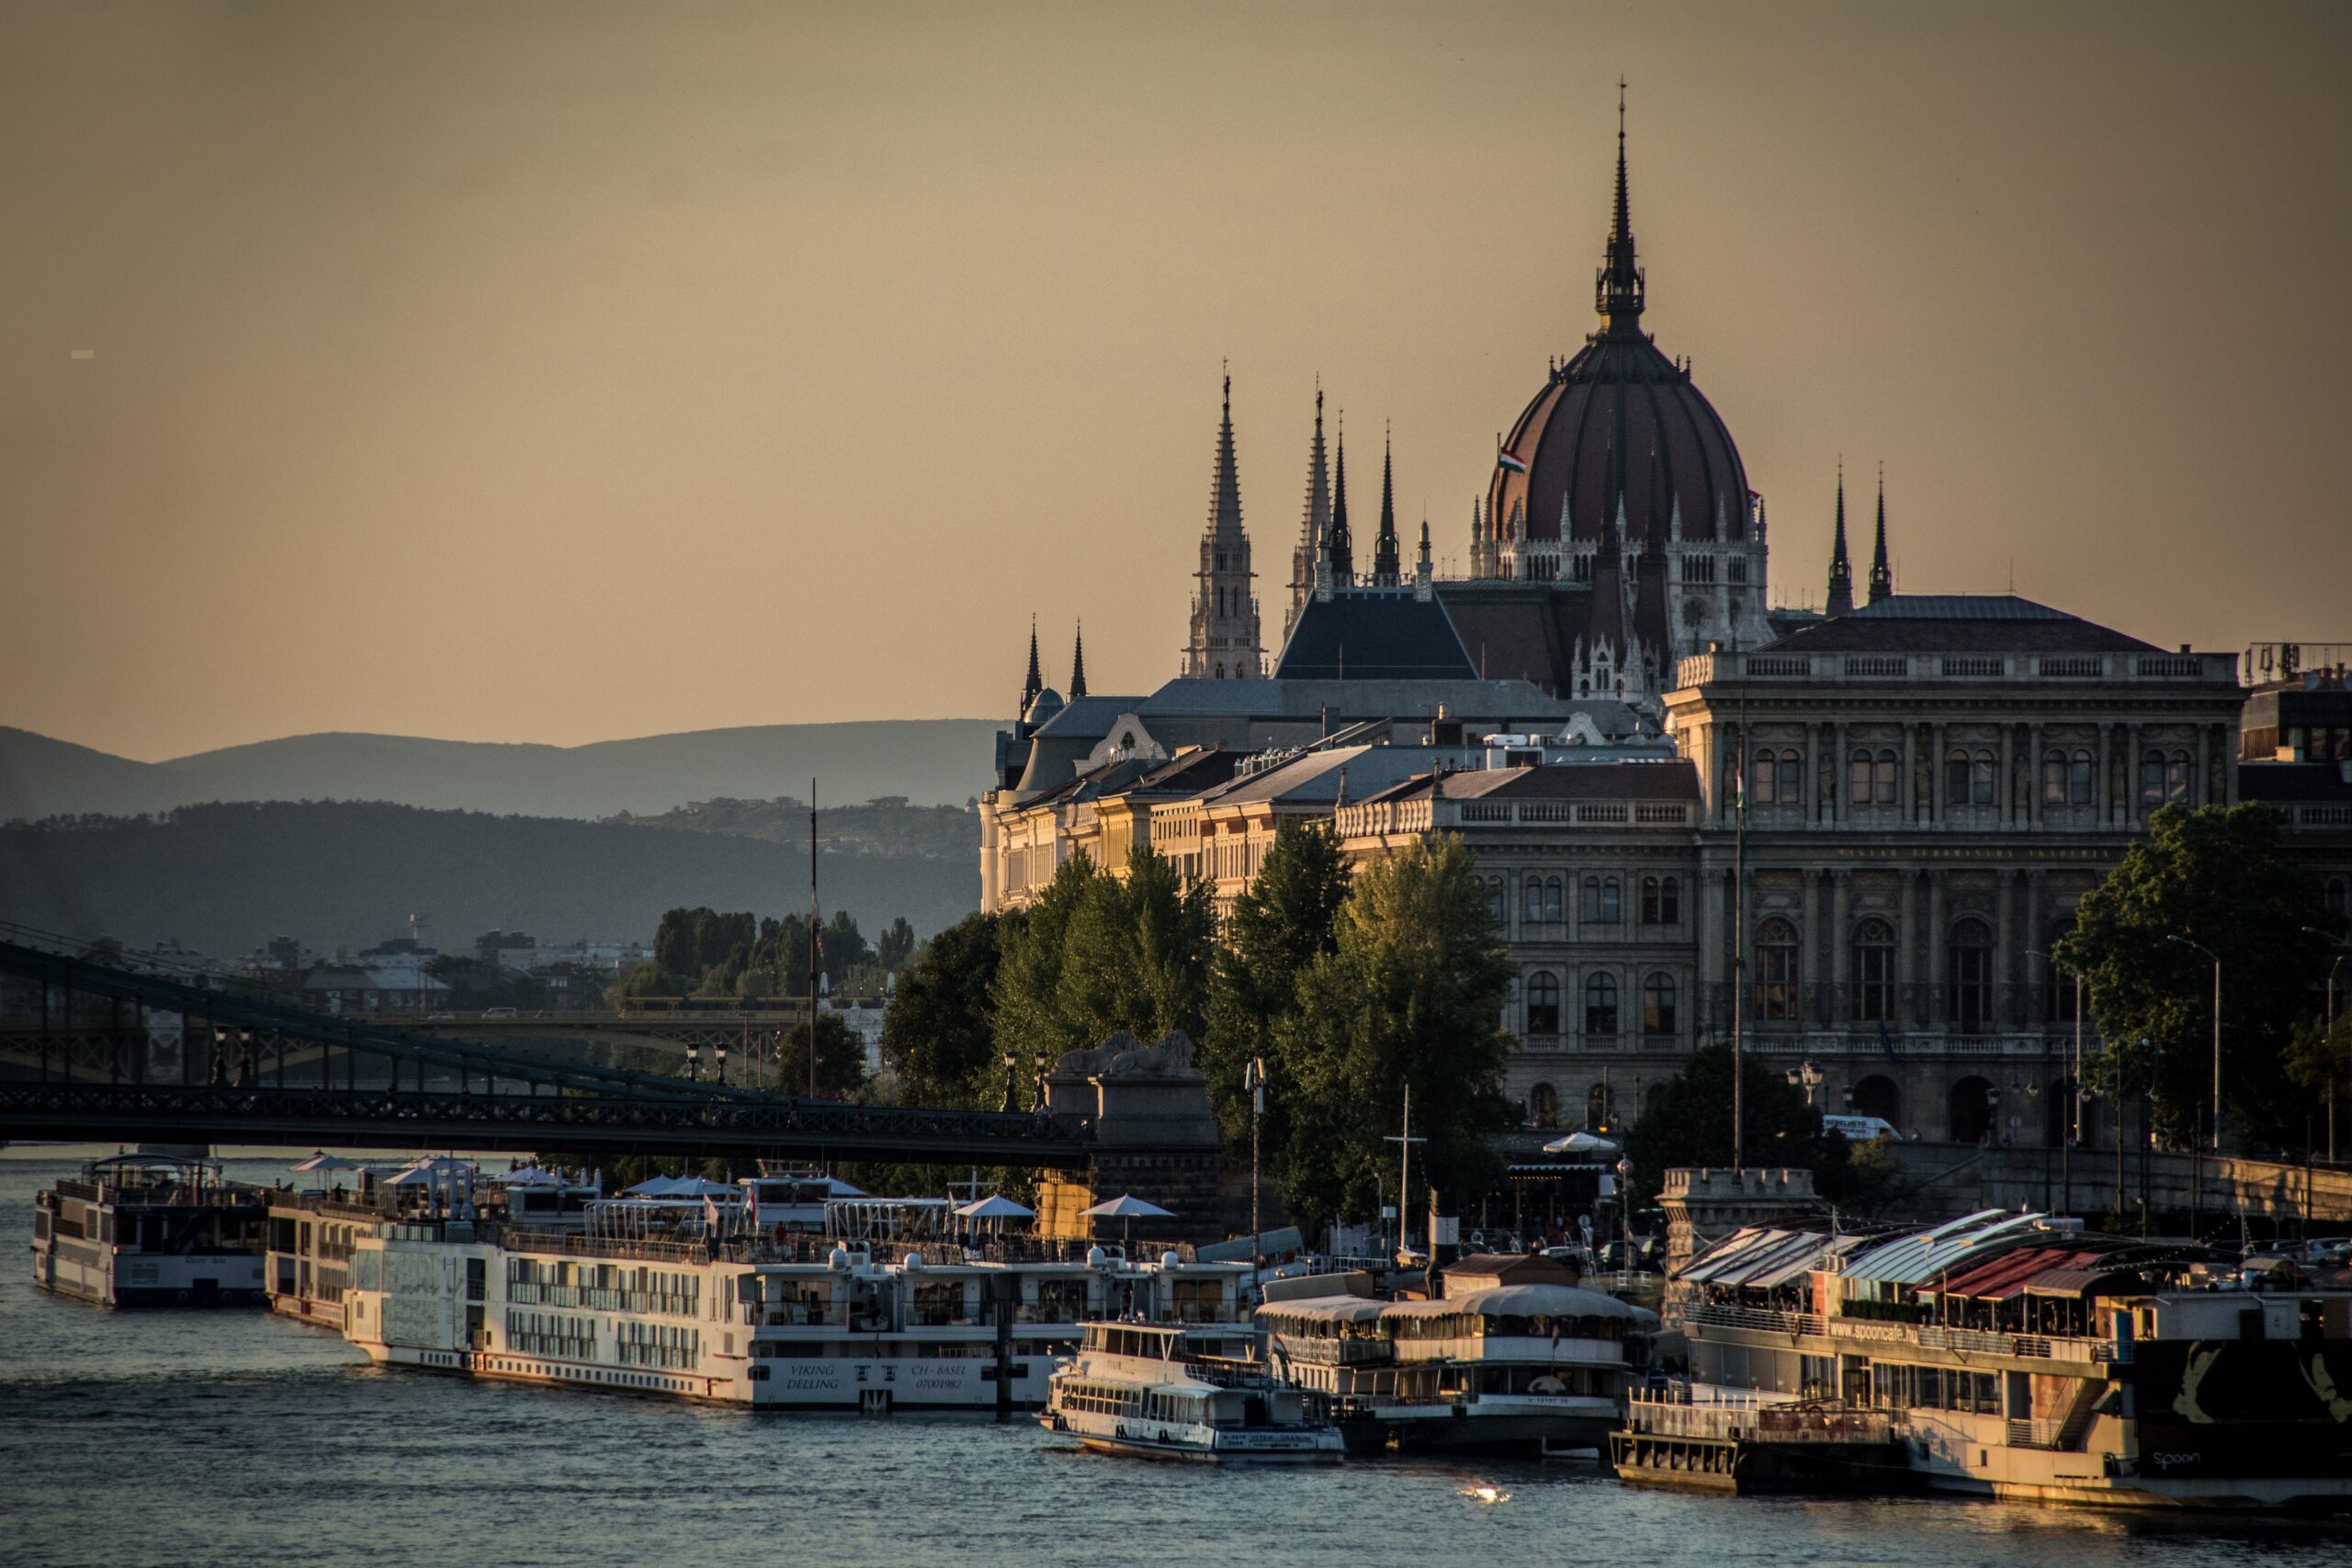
(2330, 1028)
(722, 1051)
(1809, 1078)
(1253, 1084)
(694, 1063)
(2213, 959)
(1626, 1214)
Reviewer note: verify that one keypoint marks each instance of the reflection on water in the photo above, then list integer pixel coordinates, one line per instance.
(238, 1439)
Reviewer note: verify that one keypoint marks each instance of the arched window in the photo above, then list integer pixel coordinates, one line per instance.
(1763, 780)
(1882, 774)
(1791, 779)
(2078, 779)
(1599, 1108)
(1968, 1110)
(1543, 1003)
(2180, 777)
(1658, 1003)
(1554, 899)
(1661, 900)
(2152, 780)
(1983, 773)
(1603, 901)
(1874, 971)
(1956, 777)
(2054, 778)
(1543, 1105)
(1968, 959)
(1497, 908)
(1858, 778)
(1600, 1004)
(1878, 1096)
(1534, 900)
(1776, 970)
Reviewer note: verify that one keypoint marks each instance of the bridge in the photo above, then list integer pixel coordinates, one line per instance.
(93, 1050)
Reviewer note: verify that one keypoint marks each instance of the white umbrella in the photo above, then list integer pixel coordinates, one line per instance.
(531, 1175)
(1127, 1209)
(995, 1208)
(655, 1187)
(325, 1161)
(1580, 1142)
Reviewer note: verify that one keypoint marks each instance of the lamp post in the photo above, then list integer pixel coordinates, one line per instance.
(694, 1063)
(2329, 1029)
(2214, 960)
(1807, 1077)
(721, 1051)
(1253, 1083)
(1624, 1214)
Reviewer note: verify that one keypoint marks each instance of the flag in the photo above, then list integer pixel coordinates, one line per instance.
(709, 1217)
(1505, 460)
(752, 1205)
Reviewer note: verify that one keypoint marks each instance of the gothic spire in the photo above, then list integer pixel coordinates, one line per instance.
(1225, 503)
(1841, 569)
(1882, 578)
(1343, 560)
(1618, 288)
(1036, 681)
(1388, 568)
(1078, 665)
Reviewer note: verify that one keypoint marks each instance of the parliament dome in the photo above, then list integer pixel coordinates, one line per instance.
(1619, 417)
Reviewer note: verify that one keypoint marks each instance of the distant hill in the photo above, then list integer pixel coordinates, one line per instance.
(929, 761)
(223, 879)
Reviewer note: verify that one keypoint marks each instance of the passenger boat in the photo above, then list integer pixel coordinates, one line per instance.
(2013, 1356)
(1509, 1359)
(1145, 1389)
(143, 1230)
(651, 1298)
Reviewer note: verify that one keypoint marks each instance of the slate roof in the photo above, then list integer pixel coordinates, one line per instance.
(1374, 635)
(1957, 623)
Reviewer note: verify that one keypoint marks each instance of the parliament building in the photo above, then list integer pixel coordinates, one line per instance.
(1871, 820)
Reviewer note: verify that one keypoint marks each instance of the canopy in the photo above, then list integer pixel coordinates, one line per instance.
(325, 1161)
(426, 1174)
(1580, 1142)
(532, 1175)
(996, 1207)
(1126, 1206)
(656, 1187)
(1339, 1310)
(1521, 1301)
(440, 1165)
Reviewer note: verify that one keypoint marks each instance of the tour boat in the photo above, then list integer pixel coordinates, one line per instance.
(2014, 1356)
(1146, 1390)
(151, 1230)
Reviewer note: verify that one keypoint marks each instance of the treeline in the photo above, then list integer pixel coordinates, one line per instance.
(701, 951)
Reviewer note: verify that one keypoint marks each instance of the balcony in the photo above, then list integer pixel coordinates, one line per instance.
(2001, 1020)
(2004, 669)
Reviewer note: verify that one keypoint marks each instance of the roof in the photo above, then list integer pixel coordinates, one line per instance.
(1320, 1309)
(1519, 1300)
(1374, 634)
(1670, 778)
(1957, 623)
(1919, 1256)
(1315, 778)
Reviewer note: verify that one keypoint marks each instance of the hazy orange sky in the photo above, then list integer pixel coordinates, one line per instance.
(560, 372)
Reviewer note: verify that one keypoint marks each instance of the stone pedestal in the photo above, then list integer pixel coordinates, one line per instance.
(1155, 1137)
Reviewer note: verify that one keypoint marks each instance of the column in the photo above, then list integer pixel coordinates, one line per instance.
(1841, 887)
(1839, 809)
(1906, 931)
(1713, 971)
(1908, 787)
(2197, 794)
(2101, 812)
(1931, 1011)
(2005, 948)
(2007, 786)
(2134, 812)
(2034, 749)
(1937, 747)
(1810, 974)
(2037, 972)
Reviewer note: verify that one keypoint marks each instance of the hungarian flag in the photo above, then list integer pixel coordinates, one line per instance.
(1505, 460)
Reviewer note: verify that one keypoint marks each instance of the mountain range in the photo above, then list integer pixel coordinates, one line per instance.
(930, 761)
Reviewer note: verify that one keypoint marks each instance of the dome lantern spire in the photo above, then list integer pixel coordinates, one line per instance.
(1618, 288)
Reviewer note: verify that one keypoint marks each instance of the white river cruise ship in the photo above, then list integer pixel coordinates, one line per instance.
(1152, 1391)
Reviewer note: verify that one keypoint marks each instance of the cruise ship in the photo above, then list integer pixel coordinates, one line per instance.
(716, 1306)
(2012, 1355)
(143, 1230)
(1516, 1356)
(1148, 1391)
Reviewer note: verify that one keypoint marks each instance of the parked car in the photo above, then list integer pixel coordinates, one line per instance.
(500, 1013)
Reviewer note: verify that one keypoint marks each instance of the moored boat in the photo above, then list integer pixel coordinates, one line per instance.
(141, 1230)
(1143, 1390)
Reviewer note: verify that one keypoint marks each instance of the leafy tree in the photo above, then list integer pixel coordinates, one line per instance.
(840, 947)
(1285, 921)
(2219, 878)
(1027, 989)
(841, 1059)
(897, 944)
(1409, 995)
(1688, 1122)
(2319, 1063)
(939, 1036)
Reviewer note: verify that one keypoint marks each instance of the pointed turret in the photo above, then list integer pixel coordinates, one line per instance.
(1036, 681)
(1841, 569)
(1882, 576)
(1078, 665)
(1225, 644)
(1343, 558)
(1306, 562)
(1423, 575)
(1224, 499)
(1618, 288)
(1388, 565)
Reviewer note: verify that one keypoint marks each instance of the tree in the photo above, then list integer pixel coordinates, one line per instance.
(1284, 920)
(2218, 878)
(840, 948)
(1687, 1122)
(2319, 1063)
(1409, 996)
(939, 1036)
(897, 944)
(841, 1059)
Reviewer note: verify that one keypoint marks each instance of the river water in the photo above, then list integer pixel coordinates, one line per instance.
(239, 1439)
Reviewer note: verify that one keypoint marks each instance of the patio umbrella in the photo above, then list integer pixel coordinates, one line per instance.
(1127, 1209)
(655, 1187)
(996, 1208)
(1580, 1142)
(325, 1161)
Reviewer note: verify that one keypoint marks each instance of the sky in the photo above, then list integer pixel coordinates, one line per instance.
(557, 372)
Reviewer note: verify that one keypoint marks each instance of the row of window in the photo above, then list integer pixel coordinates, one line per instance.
(551, 1334)
(1968, 968)
(1973, 778)
(1600, 992)
(656, 1345)
(1601, 901)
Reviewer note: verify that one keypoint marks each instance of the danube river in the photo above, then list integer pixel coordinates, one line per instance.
(238, 1439)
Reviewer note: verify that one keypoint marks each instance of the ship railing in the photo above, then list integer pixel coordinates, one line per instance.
(1748, 1417)
(572, 1243)
(2023, 1434)
(1723, 1315)
(795, 1314)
